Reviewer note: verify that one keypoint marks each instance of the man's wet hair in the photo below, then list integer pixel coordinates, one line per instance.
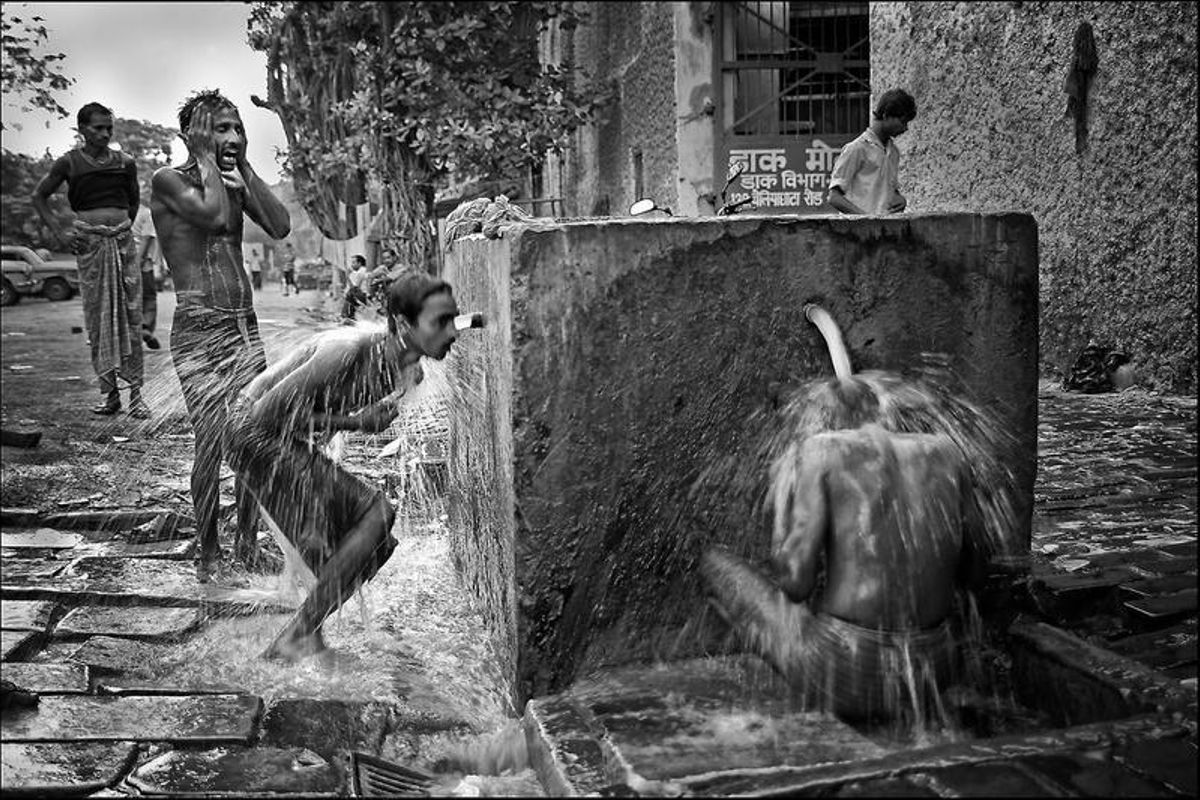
(407, 292)
(84, 117)
(896, 103)
(205, 97)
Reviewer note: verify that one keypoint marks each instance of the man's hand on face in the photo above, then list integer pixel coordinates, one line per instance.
(201, 143)
(233, 180)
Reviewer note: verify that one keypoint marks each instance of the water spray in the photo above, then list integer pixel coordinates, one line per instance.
(464, 321)
(833, 338)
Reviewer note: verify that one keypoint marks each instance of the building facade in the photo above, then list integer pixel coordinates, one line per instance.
(779, 87)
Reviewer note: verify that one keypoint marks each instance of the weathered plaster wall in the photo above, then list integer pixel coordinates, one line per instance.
(633, 45)
(695, 101)
(1117, 223)
(642, 356)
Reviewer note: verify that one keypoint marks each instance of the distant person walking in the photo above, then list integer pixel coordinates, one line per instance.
(865, 178)
(255, 271)
(102, 190)
(287, 260)
(147, 254)
(215, 346)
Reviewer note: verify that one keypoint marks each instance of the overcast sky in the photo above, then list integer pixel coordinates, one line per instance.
(142, 60)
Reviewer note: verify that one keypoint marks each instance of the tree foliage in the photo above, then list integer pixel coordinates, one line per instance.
(148, 143)
(397, 95)
(29, 77)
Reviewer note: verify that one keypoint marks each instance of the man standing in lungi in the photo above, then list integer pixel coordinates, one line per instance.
(197, 210)
(102, 190)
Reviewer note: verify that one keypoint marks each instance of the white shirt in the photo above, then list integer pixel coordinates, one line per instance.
(358, 277)
(868, 173)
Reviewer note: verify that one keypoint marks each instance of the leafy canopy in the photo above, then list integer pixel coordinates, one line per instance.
(405, 93)
(29, 78)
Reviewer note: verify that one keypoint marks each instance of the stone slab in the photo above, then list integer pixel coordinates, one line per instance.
(660, 725)
(1159, 586)
(1165, 606)
(19, 517)
(16, 644)
(211, 719)
(62, 769)
(148, 581)
(181, 549)
(237, 772)
(991, 780)
(1171, 761)
(1085, 776)
(128, 622)
(24, 570)
(48, 678)
(40, 538)
(125, 519)
(108, 654)
(26, 615)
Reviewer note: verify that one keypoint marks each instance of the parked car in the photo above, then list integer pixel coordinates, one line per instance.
(27, 273)
(314, 273)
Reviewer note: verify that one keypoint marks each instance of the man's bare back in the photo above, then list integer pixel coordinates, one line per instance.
(890, 506)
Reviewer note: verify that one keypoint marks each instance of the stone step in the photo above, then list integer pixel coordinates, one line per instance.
(128, 622)
(109, 655)
(63, 769)
(27, 615)
(1166, 607)
(48, 678)
(17, 645)
(195, 719)
(1151, 587)
(238, 772)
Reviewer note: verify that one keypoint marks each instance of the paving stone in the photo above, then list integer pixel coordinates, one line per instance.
(332, 728)
(1089, 582)
(1156, 586)
(150, 581)
(1172, 566)
(44, 678)
(108, 654)
(181, 549)
(26, 615)
(33, 569)
(122, 519)
(1164, 607)
(15, 645)
(19, 517)
(887, 787)
(40, 538)
(236, 772)
(1171, 761)
(211, 719)
(1003, 779)
(1092, 777)
(129, 622)
(61, 769)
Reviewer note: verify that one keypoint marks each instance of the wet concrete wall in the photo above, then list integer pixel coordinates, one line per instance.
(625, 384)
(1117, 220)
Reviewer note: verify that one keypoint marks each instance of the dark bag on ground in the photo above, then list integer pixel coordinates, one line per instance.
(1092, 372)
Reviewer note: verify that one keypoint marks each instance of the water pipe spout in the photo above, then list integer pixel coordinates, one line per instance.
(465, 321)
(833, 338)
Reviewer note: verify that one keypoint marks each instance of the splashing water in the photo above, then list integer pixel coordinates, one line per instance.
(884, 407)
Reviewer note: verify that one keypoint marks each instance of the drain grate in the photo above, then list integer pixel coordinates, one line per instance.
(374, 777)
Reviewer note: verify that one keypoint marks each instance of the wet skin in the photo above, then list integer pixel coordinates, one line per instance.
(346, 380)
(886, 510)
(197, 211)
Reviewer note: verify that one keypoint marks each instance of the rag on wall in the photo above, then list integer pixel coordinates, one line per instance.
(1079, 81)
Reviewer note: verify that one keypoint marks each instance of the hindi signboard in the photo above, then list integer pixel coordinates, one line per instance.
(791, 178)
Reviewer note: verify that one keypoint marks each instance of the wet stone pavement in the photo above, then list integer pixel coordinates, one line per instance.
(92, 604)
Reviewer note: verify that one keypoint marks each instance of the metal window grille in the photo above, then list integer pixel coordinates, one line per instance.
(795, 69)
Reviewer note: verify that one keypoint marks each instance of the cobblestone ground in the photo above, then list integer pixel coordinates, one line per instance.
(1114, 531)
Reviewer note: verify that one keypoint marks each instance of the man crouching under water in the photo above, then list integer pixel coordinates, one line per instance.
(886, 513)
(345, 379)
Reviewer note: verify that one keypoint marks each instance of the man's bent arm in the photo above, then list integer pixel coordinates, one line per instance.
(838, 199)
(796, 558)
(263, 206)
(46, 187)
(206, 207)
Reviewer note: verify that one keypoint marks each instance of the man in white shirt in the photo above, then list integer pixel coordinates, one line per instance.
(147, 253)
(865, 178)
(356, 287)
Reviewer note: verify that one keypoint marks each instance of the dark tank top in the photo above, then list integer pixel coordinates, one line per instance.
(112, 185)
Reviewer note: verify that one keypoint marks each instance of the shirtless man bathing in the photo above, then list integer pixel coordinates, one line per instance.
(349, 378)
(889, 515)
(215, 346)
